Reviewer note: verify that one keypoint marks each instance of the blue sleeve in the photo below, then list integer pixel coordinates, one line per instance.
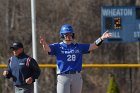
(84, 48)
(53, 48)
(9, 75)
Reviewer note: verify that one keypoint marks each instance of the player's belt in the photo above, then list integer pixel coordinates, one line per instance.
(71, 72)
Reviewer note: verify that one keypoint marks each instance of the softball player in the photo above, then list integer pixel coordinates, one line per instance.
(69, 59)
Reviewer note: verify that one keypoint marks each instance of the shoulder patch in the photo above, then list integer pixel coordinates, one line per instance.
(28, 61)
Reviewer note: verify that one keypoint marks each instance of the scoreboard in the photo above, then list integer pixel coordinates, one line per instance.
(122, 21)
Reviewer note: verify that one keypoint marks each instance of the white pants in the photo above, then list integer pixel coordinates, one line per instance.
(69, 83)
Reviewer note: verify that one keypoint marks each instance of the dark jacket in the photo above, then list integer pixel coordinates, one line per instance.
(21, 68)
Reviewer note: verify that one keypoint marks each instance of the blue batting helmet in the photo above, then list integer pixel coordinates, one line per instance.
(66, 29)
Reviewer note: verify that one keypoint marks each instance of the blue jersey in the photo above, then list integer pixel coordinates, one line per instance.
(68, 57)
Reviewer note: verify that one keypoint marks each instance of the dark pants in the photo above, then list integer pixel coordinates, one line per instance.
(24, 89)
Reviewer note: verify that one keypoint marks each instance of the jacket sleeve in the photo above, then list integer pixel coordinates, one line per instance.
(9, 75)
(33, 65)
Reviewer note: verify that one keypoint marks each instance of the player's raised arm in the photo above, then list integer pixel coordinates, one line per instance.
(44, 44)
(106, 34)
(99, 41)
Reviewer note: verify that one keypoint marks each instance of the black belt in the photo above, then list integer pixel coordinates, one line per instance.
(24, 85)
(70, 72)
